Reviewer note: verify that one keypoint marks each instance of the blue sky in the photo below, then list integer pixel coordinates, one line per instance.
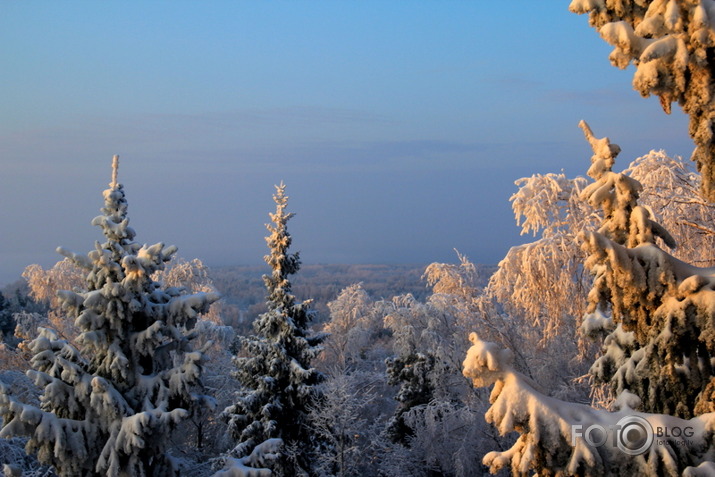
(398, 127)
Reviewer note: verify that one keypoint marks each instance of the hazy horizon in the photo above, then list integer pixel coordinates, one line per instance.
(398, 128)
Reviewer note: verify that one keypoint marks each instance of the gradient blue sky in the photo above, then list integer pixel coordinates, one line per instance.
(399, 127)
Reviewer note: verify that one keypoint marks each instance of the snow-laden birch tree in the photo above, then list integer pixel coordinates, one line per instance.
(351, 324)
(109, 403)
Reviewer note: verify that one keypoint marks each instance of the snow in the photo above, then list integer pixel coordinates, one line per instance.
(585, 6)
(706, 469)
(253, 464)
(672, 18)
(596, 322)
(551, 429)
(623, 37)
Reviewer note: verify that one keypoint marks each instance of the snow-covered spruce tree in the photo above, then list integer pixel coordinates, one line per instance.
(661, 311)
(412, 374)
(280, 386)
(110, 403)
(672, 45)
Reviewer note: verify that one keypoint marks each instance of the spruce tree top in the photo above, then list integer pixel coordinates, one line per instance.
(281, 262)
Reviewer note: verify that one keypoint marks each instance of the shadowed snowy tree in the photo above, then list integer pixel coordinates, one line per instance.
(110, 403)
(6, 322)
(341, 418)
(438, 416)
(203, 435)
(280, 386)
(672, 45)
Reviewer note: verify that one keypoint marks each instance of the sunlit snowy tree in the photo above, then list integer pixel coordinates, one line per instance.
(671, 191)
(274, 367)
(552, 434)
(659, 314)
(671, 43)
(44, 285)
(109, 403)
(542, 286)
(661, 311)
(544, 281)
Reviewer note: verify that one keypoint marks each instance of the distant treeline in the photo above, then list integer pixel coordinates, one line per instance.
(244, 292)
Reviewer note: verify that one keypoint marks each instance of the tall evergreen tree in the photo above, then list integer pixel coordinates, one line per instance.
(110, 402)
(280, 386)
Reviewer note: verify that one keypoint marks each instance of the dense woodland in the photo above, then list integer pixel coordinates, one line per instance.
(128, 360)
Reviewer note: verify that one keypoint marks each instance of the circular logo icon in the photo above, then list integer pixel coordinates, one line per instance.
(634, 435)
